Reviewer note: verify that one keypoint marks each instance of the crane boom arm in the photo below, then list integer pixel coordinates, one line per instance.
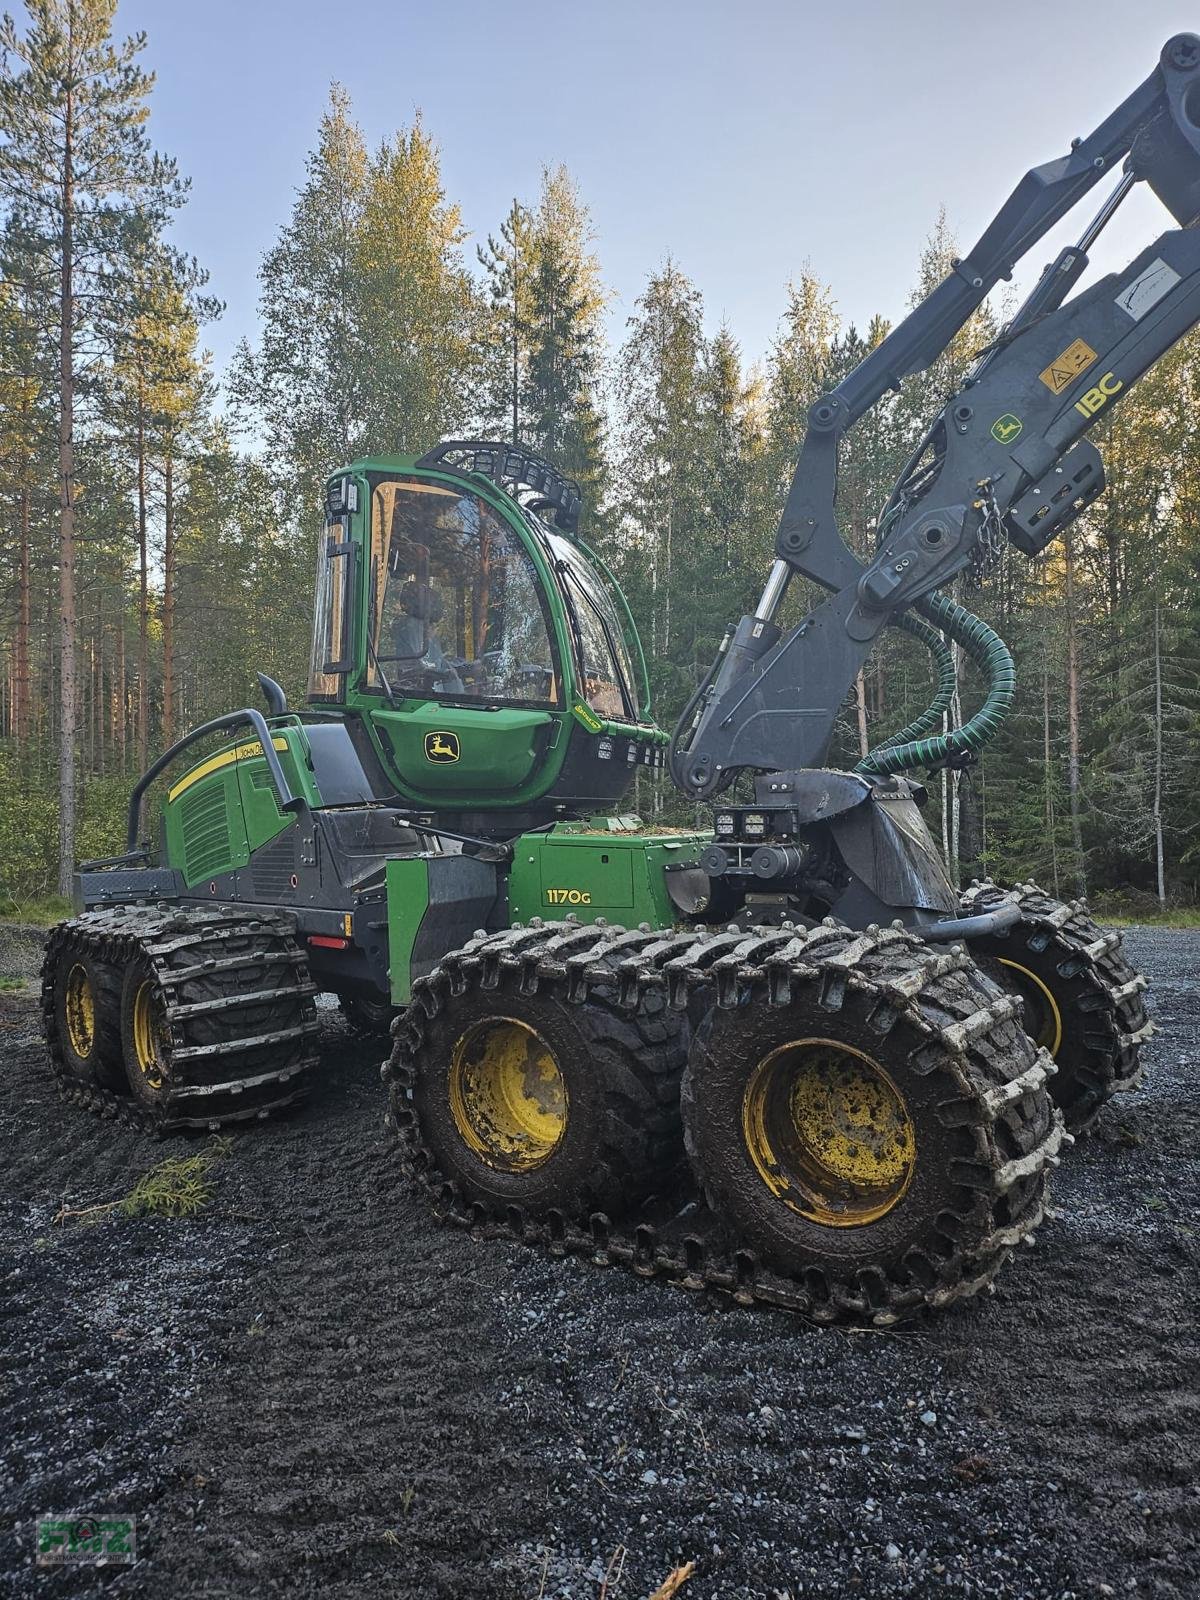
(1007, 457)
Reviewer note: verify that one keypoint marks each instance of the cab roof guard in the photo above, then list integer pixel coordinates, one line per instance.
(514, 470)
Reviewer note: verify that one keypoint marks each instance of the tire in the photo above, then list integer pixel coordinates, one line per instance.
(81, 1005)
(367, 1018)
(146, 1045)
(1083, 1001)
(220, 1000)
(871, 1118)
(599, 1132)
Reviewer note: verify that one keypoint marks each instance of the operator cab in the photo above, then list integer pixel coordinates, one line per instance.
(481, 645)
(456, 610)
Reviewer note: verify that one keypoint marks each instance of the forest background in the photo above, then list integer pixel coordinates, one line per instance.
(158, 527)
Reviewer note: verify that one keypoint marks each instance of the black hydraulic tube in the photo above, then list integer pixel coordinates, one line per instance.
(930, 720)
(979, 927)
(232, 719)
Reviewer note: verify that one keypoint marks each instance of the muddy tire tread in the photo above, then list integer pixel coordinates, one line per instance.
(251, 976)
(999, 1074)
(1115, 1019)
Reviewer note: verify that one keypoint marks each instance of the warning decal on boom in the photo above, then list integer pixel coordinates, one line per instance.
(1064, 369)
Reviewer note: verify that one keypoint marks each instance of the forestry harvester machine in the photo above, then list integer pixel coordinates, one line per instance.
(784, 1057)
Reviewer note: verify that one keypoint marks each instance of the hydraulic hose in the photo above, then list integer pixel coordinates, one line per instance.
(674, 751)
(930, 719)
(991, 655)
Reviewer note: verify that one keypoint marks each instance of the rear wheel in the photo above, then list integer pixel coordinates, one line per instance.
(82, 999)
(1083, 1001)
(178, 1018)
(145, 1036)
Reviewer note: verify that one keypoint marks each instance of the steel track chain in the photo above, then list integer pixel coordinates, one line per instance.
(719, 965)
(1070, 925)
(117, 936)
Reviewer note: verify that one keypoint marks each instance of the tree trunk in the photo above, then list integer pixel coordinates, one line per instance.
(953, 786)
(66, 537)
(143, 689)
(168, 616)
(1047, 769)
(22, 698)
(860, 704)
(120, 706)
(1158, 756)
(1073, 719)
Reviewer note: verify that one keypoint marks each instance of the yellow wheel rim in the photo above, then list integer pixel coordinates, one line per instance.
(1042, 1012)
(80, 1010)
(829, 1132)
(150, 1034)
(507, 1095)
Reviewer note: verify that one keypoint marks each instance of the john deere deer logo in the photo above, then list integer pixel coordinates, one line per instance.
(441, 747)
(1006, 428)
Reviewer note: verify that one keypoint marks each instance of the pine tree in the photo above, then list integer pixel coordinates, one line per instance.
(417, 309)
(508, 263)
(77, 171)
(545, 362)
(302, 388)
(660, 374)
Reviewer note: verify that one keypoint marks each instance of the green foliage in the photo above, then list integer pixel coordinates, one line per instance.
(38, 913)
(543, 350)
(194, 546)
(180, 1186)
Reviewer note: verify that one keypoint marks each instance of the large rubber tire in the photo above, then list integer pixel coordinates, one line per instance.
(620, 1140)
(98, 1063)
(981, 1127)
(368, 1019)
(233, 1014)
(1083, 1000)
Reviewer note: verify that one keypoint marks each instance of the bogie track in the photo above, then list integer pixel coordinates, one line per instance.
(206, 1015)
(1083, 1001)
(972, 1079)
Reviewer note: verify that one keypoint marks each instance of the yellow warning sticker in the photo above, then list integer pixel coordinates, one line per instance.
(1062, 372)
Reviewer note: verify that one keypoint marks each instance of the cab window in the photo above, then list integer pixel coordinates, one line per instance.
(456, 609)
(607, 669)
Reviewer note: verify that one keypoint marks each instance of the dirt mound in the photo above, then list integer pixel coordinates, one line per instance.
(313, 1390)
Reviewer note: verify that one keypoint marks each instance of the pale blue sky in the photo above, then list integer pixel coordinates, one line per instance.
(745, 139)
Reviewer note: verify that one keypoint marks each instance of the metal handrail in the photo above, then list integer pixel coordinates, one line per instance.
(232, 719)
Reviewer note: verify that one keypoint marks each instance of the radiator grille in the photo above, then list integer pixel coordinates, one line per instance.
(204, 818)
(271, 867)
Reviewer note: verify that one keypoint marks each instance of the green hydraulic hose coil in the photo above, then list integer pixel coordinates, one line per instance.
(931, 719)
(991, 655)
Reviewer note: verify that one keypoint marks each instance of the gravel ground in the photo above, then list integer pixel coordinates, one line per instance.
(313, 1390)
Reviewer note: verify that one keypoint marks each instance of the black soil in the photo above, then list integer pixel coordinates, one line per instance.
(314, 1390)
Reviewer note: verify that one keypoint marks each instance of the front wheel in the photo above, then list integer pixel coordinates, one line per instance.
(550, 1101)
(871, 1120)
(1082, 999)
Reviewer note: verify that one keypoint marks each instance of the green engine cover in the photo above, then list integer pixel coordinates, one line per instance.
(591, 872)
(224, 808)
(608, 869)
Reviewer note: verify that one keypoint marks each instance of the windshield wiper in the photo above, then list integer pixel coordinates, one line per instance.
(383, 678)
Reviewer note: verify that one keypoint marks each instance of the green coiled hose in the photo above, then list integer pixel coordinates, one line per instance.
(943, 660)
(990, 654)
